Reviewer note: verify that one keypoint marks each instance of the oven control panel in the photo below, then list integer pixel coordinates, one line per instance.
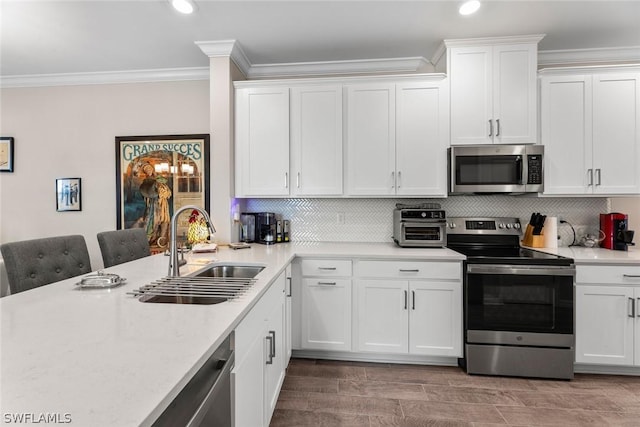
(499, 226)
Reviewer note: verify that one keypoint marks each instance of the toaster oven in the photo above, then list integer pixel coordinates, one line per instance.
(419, 228)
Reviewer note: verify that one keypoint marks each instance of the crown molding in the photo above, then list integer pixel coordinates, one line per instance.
(588, 56)
(327, 68)
(533, 38)
(226, 48)
(108, 77)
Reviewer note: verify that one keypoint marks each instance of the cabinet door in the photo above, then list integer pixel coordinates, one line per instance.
(604, 326)
(616, 134)
(422, 138)
(637, 328)
(326, 314)
(262, 142)
(471, 95)
(371, 140)
(288, 343)
(316, 140)
(435, 318)
(248, 385)
(383, 316)
(566, 134)
(515, 93)
(275, 366)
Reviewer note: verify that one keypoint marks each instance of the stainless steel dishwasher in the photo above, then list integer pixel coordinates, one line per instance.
(206, 399)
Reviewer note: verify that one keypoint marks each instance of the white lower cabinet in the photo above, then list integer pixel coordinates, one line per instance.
(326, 305)
(608, 315)
(411, 307)
(260, 347)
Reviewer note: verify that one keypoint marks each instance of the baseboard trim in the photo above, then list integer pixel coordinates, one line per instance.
(376, 358)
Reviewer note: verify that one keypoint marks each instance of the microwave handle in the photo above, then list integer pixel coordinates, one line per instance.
(524, 170)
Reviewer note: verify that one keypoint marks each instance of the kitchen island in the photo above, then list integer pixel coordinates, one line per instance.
(100, 357)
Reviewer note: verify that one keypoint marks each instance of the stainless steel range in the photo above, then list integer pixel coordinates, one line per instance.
(518, 303)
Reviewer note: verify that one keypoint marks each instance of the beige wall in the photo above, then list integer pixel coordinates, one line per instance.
(69, 131)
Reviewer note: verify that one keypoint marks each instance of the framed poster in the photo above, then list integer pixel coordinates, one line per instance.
(68, 194)
(6, 154)
(155, 176)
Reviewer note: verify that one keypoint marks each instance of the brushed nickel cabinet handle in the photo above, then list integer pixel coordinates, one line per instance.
(638, 311)
(393, 179)
(631, 276)
(286, 180)
(273, 348)
(633, 308)
(490, 127)
(406, 297)
(590, 172)
(498, 126)
(327, 283)
(270, 355)
(298, 180)
(599, 176)
(413, 300)
(327, 268)
(399, 179)
(407, 270)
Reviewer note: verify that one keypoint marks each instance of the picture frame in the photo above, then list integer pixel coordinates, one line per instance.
(155, 176)
(68, 194)
(6, 154)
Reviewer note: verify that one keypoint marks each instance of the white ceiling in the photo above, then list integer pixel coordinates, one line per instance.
(82, 36)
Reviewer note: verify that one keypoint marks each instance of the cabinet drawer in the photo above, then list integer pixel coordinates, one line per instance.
(326, 267)
(618, 274)
(409, 269)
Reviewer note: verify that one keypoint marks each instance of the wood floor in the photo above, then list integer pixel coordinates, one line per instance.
(331, 393)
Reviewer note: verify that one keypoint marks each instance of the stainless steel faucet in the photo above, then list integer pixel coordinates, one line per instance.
(174, 265)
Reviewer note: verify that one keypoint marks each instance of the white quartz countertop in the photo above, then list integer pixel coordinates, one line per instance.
(99, 357)
(582, 255)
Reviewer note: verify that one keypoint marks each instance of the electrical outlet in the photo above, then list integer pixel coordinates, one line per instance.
(340, 218)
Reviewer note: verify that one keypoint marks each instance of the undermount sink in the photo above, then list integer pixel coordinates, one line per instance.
(215, 284)
(235, 271)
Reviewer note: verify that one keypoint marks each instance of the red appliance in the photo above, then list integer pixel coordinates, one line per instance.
(614, 228)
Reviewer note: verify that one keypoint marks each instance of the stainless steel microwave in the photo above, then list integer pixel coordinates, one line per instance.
(496, 169)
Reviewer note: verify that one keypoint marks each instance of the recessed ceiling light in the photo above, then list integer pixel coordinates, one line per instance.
(183, 6)
(469, 7)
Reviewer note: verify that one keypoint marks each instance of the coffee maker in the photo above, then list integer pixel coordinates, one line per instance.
(614, 229)
(266, 228)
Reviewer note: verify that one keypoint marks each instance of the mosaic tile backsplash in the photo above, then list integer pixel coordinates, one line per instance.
(370, 220)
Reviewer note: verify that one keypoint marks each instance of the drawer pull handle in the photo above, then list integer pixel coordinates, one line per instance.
(327, 268)
(327, 283)
(406, 297)
(413, 300)
(406, 270)
(631, 276)
(633, 308)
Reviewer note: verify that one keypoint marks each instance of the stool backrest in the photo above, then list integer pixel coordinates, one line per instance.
(123, 245)
(38, 262)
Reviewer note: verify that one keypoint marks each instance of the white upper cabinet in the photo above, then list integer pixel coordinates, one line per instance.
(316, 140)
(422, 138)
(370, 139)
(397, 139)
(262, 141)
(589, 127)
(493, 90)
(377, 136)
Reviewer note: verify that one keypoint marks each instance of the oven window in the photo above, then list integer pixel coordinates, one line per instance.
(421, 233)
(487, 170)
(519, 303)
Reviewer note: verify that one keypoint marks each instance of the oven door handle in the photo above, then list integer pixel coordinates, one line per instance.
(535, 270)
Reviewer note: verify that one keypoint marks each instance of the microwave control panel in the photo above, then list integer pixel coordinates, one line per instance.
(534, 164)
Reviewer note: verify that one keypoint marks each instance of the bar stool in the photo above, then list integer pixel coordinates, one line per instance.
(34, 263)
(121, 246)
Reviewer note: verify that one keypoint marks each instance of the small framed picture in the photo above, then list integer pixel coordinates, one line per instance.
(6, 154)
(68, 194)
